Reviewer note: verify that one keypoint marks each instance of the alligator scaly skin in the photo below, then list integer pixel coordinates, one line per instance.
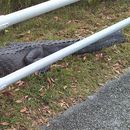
(18, 55)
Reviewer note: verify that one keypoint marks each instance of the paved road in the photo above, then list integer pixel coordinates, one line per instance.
(109, 109)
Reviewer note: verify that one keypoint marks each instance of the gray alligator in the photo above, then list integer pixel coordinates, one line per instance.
(18, 55)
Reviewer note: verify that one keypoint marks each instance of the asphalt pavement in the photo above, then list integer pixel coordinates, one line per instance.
(108, 109)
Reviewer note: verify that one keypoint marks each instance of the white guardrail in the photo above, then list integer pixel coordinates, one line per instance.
(19, 74)
(22, 15)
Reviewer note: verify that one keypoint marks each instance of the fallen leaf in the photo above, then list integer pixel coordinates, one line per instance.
(50, 81)
(19, 101)
(4, 123)
(99, 56)
(117, 68)
(65, 87)
(64, 104)
(56, 18)
(22, 99)
(7, 93)
(21, 84)
(12, 129)
(24, 110)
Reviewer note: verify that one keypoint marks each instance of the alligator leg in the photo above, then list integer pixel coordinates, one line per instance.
(35, 55)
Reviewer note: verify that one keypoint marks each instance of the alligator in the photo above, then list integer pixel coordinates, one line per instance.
(17, 55)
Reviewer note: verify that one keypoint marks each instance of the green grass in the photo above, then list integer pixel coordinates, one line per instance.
(72, 79)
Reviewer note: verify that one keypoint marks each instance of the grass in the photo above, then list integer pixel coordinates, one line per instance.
(32, 101)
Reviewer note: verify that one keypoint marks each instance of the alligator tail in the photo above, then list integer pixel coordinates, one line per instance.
(55, 45)
(115, 38)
